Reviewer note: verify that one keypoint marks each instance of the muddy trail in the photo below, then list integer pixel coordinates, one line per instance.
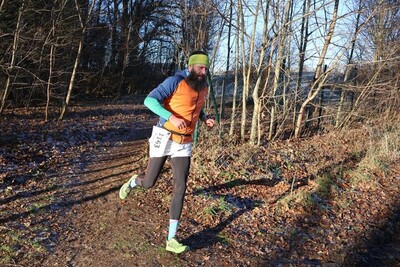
(60, 205)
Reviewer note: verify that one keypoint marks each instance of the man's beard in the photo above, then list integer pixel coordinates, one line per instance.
(193, 81)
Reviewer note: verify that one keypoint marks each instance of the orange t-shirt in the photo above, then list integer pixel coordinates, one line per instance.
(185, 103)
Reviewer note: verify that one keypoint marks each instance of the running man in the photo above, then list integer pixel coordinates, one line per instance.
(179, 102)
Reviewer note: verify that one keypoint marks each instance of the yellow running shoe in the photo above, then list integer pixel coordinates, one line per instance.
(126, 188)
(175, 247)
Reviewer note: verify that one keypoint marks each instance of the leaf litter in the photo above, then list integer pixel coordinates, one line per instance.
(287, 203)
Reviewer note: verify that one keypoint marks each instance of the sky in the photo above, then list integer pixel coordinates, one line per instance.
(342, 35)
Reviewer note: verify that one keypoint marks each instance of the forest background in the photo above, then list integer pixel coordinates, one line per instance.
(299, 63)
(281, 71)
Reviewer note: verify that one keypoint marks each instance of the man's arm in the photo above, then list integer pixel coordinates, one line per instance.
(208, 121)
(202, 115)
(158, 109)
(155, 106)
(156, 97)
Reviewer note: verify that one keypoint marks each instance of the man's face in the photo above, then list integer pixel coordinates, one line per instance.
(197, 77)
(199, 71)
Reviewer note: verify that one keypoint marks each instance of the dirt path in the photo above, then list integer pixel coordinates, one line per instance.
(102, 230)
(285, 205)
(105, 231)
(60, 195)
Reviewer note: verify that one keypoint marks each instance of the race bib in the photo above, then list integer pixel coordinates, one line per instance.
(158, 141)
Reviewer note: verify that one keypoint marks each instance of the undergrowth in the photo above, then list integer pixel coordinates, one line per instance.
(219, 159)
(383, 150)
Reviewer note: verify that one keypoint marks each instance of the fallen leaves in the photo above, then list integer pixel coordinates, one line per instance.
(244, 206)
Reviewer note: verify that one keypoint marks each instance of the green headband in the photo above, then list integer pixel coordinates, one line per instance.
(198, 59)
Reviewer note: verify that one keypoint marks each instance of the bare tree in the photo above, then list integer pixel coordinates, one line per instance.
(235, 89)
(2, 4)
(350, 67)
(51, 65)
(304, 35)
(197, 25)
(246, 68)
(282, 48)
(83, 23)
(319, 77)
(259, 71)
(376, 87)
(228, 56)
(126, 28)
(11, 66)
(52, 40)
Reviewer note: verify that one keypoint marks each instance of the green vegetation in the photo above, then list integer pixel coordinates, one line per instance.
(219, 207)
(14, 242)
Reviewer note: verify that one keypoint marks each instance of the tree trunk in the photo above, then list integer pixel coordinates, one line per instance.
(302, 53)
(321, 103)
(235, 89)
(114, 37)
(124, 47)
(2, 4)
(256, 95)
(244, 98)
(78, 55)
(264, 93)
(278, 66)
(318, 83)
(48, 89)
(121, 89)
(246, 69)
(13, 56)
(349, 67)
(227, 61)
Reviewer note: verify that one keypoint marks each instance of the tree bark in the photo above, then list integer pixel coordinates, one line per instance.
(78, 55)
(278, 66)
(349, 67)
(48, 88)
(256, 91)
(235, 89)
(227, 61)
(247, 70)
(302, 53)
(319, 79)
(13, 56)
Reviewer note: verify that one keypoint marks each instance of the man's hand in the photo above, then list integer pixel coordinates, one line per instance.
(177, 122)
(209, 122)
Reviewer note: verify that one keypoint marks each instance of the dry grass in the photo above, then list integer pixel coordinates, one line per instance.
(225, 159)
(383, 149)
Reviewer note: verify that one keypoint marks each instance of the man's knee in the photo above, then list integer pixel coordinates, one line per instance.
(145, 183)
(180, 188)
